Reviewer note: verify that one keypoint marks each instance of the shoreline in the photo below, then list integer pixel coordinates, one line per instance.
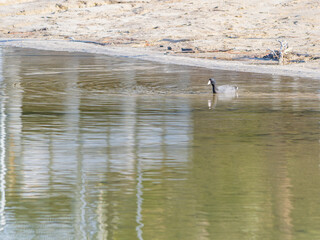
(156, 56)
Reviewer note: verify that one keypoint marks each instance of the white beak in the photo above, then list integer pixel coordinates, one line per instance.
(209, 82)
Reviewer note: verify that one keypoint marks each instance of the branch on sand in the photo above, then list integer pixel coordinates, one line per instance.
(280, 54)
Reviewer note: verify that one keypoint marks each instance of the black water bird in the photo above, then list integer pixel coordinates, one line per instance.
(224, 89)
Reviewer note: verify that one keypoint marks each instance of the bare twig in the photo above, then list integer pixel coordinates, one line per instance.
(279, 55)
(284, 49)
(275, 54)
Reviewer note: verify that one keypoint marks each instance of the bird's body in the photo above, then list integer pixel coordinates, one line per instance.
(224, 89)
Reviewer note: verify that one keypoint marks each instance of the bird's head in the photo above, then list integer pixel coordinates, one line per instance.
(211, 81)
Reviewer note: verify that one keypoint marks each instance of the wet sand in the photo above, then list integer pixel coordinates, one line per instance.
(215, 34)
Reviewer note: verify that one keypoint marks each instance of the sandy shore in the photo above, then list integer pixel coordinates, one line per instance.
(233, 35)
(149, 55)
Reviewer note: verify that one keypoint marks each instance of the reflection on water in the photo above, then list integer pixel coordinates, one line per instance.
(96, 147)
(2, 158)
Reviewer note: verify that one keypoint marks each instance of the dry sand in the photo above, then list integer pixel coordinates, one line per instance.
(241, 32)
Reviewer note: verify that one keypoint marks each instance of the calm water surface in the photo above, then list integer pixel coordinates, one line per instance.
(98, 147)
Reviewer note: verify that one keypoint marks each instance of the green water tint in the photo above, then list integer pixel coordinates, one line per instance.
(96, 147)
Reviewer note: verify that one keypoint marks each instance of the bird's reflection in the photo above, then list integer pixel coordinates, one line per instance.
(212, 103)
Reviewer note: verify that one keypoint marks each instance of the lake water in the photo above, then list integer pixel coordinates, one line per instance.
(99, 147)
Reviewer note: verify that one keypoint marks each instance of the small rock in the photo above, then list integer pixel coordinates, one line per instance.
(187, 50)
(174, 40)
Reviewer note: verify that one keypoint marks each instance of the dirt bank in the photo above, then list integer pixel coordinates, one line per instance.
(242, 31)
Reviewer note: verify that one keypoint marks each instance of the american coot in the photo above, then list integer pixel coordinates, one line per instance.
(225, 89)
